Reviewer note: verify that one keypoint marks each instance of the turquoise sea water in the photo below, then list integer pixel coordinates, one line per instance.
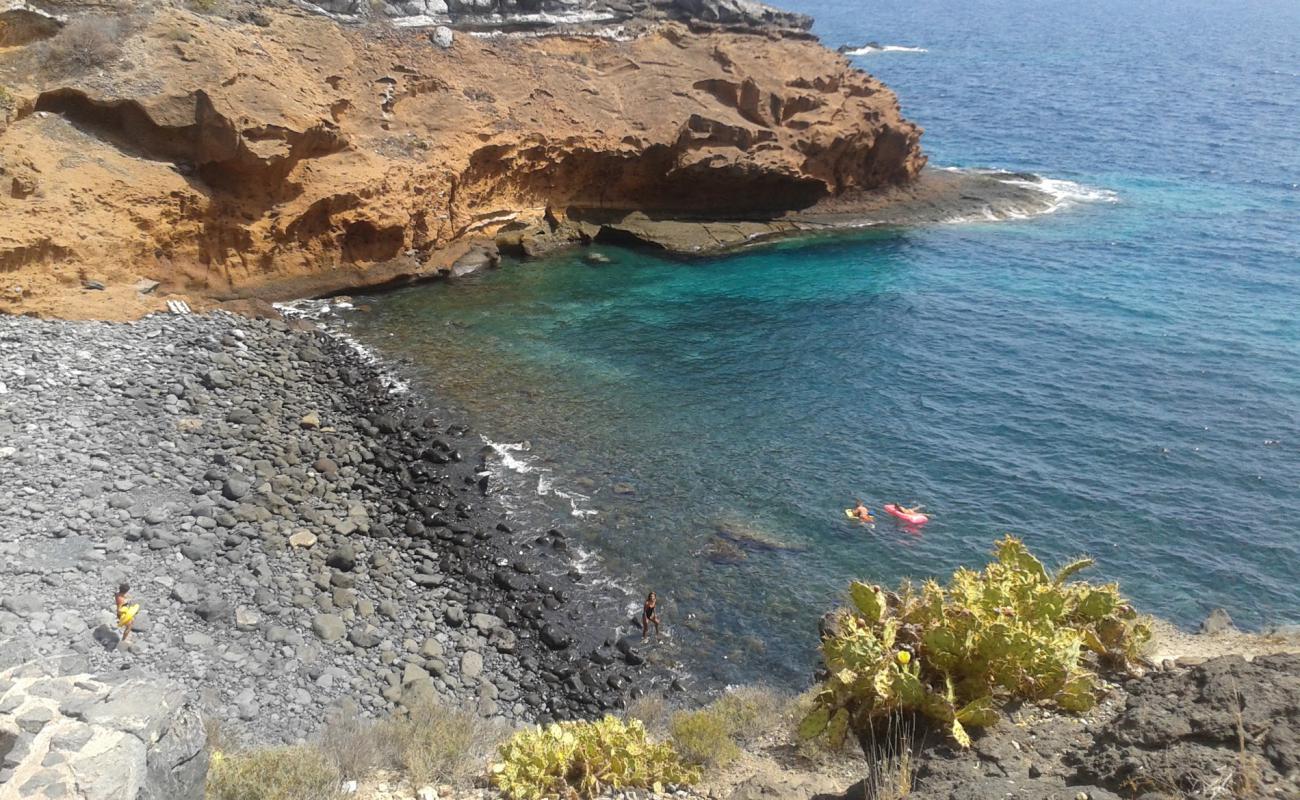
(1121, 377)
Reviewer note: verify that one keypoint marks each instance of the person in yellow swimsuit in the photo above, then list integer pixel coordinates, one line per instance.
(125, 611)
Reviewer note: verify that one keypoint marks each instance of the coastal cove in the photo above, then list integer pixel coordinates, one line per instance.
(1118, 377)
(469, 400)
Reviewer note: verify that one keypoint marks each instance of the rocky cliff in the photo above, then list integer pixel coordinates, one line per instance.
(97, 737)
(283, 149)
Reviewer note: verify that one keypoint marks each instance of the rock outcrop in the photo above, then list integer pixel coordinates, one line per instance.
(280, 153)
(1226, 728)
(87, 737)
(515, 15)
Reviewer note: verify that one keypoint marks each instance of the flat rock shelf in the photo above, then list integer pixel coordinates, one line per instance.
(300, 537)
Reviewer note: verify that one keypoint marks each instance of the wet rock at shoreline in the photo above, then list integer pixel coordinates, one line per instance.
(293, 560)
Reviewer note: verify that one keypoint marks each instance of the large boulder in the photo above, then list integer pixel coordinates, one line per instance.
(98, 737)
(1189, 728)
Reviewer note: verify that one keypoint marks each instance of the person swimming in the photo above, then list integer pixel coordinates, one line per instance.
(862, 512)
(650, 614)
(125, 611)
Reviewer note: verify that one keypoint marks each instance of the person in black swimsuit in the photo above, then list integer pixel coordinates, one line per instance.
(650, 614)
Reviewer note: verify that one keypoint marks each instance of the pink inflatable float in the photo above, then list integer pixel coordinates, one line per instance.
(910, 519)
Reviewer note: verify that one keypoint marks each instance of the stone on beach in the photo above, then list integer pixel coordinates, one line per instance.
(291, 561)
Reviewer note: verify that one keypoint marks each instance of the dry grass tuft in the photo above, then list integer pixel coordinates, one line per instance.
(85, 43)
(752, 711)
(891, 760)
(357, 746)
(430, 744)
(652, 710)
(280, 773)
(711, 736)
(437, 744)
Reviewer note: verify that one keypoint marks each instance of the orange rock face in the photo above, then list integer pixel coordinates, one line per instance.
(228, 160)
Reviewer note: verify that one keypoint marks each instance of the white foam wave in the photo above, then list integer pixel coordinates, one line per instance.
(322, 310)
(1056, 194)
(509, 458)
(1067, 192)
(615, 33)
(870, 49)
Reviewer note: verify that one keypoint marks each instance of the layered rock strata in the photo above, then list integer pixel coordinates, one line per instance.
(277, 152)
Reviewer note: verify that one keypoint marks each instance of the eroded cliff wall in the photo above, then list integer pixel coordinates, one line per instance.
(279, 152)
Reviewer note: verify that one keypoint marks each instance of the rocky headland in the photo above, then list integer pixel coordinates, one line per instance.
(233, 151)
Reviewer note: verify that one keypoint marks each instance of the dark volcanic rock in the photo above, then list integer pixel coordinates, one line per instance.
(343, 558)
(283, 568)
(1185, 729)
(1168, 734)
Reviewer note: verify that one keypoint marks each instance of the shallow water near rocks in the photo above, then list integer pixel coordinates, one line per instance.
(1121, 377)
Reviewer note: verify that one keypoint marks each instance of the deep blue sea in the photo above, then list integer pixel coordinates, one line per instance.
(1119, 378)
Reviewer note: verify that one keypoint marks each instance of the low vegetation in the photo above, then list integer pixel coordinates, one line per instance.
(427, 744)
(437, 744)
(956, 653)
(430, 744)
(712, 736)
(279, 773)
(84, 43)
(585, 759)
(704, 737)
(892, 748)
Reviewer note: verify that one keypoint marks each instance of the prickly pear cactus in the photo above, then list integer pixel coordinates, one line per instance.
(956, 653)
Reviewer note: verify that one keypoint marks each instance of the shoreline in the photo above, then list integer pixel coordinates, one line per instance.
(234, 610)
(300, 539)
(193, 481)
(939, 196)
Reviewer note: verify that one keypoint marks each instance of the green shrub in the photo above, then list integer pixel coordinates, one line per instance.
(584, 759)
(704, 737)
(955, 653)
(710, 736)
(280, 773)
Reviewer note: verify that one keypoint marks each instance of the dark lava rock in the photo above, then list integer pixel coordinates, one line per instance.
(343, 558)
(214, 609)
(234, 488)
(1184, 729)
(555, 638)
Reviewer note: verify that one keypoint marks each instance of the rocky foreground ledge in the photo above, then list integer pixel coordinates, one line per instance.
(300, 539)
(119, 736)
